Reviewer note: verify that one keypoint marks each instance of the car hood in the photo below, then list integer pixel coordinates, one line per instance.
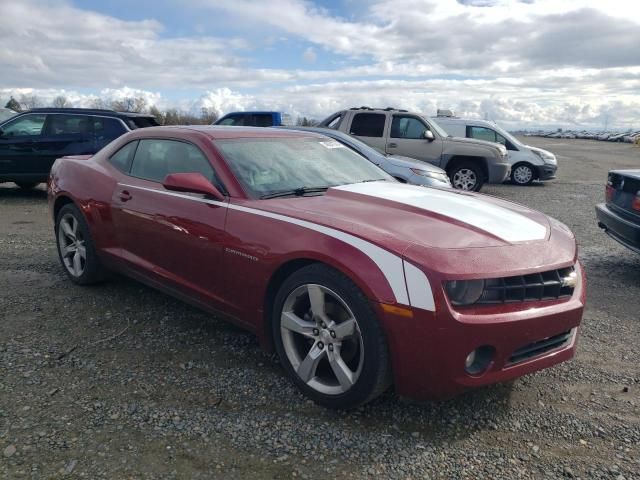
(407, 162)
(396, 216)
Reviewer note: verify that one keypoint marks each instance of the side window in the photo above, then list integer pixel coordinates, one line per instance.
(262, 120)
(501, 139)
(368, 125)
(407, 127)
(107, 128)
(25, 126)
(481, 133)
(155, 159)
(122, 158)
(68, 125)
(334, 123)
(234, 120)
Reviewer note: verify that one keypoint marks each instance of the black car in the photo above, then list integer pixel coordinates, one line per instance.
(31, 141)
(620, 215)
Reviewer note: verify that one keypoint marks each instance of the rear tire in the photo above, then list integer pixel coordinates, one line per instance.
(329, 339)
(76, 250)
(522, 174)
(27, 185)
(466, 176)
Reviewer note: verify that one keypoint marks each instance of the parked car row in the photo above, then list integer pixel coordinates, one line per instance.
(628, 136)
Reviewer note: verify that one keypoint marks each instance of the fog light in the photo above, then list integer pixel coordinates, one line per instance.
(479, 360)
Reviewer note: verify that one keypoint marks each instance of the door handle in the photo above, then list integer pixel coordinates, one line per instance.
(392, 145)
(125, 196)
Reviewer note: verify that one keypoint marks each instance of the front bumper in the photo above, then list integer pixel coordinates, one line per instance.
(620, 229)
(546, 171)
(499, 172)
(429, 350)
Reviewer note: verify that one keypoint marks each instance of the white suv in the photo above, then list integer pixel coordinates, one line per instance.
(527, 163)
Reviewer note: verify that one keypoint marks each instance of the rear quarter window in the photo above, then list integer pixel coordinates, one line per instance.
(368, 125)
(123, 157)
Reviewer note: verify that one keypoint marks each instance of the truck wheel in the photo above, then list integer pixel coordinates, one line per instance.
(466, 176)
(522, 174)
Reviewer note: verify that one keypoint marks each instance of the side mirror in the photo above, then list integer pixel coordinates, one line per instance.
(428, 134)
(192, 183)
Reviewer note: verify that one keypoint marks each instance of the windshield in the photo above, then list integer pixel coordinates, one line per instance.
(507, 135)
(436, 128)
(266, 166)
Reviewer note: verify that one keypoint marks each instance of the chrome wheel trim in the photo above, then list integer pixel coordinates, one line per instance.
(72, 245)
(465, 179)
(522, 174)
(322, 339)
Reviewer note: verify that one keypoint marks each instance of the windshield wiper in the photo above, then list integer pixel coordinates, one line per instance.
(298, 192)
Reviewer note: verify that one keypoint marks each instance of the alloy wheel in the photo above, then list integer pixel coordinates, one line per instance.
(522, 174)
(322, 339)
(72, 245)
(465, 179)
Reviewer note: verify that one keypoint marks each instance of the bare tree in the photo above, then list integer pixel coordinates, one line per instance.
(208, 116)
(130, 104)
(30, 101)
(100, 104)
(61, 102)
(159, 116)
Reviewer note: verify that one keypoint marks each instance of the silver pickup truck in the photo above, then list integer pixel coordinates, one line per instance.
(468, 162)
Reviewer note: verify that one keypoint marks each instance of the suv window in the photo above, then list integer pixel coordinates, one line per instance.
(407, 127)
(122, 158)
(334, 123)
(368, 124)
(67, 124)
(262, 120)
(155, 159)
(107, 128)
(143, 122)
(24, 126)
(482, 133)
(237, 120)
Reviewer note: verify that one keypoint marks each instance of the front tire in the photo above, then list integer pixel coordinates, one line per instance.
(329, 339)
(76, 250)
(522, 174)
(466, 176)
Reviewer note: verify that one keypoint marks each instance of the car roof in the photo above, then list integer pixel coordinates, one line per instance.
(218, 132)
(87, 111)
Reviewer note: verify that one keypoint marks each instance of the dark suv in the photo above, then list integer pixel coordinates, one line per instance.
(31, 141)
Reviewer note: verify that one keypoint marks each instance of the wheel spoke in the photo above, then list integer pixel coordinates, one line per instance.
(307, 368)
(340, 369)
(77, 264)
(316, 298)
(69, 250)
(82, 251)
(345, 329)
(291, 321)
(68, 230)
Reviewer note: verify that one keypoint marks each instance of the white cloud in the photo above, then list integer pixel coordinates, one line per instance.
(310, 55)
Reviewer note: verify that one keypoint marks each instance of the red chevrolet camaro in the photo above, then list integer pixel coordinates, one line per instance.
(356, 280)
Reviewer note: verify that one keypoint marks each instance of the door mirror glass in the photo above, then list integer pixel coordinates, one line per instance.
(428, 134)
(193, 183)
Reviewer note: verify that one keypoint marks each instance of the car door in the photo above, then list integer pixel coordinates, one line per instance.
(370, 128)
(18, 146)
(490, 135)
(176, 238)
(406, 137)
(64, 135)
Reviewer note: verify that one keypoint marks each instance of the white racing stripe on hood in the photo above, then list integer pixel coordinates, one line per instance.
(498, 221)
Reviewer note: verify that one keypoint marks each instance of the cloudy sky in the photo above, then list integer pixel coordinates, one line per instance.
(522, 63)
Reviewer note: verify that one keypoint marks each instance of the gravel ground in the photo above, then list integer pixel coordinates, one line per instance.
(120, 381)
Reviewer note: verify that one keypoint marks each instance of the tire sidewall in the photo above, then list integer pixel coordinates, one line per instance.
(374, 356)
(92, 271)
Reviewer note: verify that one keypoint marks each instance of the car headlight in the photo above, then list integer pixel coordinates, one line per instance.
(436, 175)
(464, 292)
(547, 157)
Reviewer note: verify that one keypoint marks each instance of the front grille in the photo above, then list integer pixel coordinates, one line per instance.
(550, 285)
(541, 346)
